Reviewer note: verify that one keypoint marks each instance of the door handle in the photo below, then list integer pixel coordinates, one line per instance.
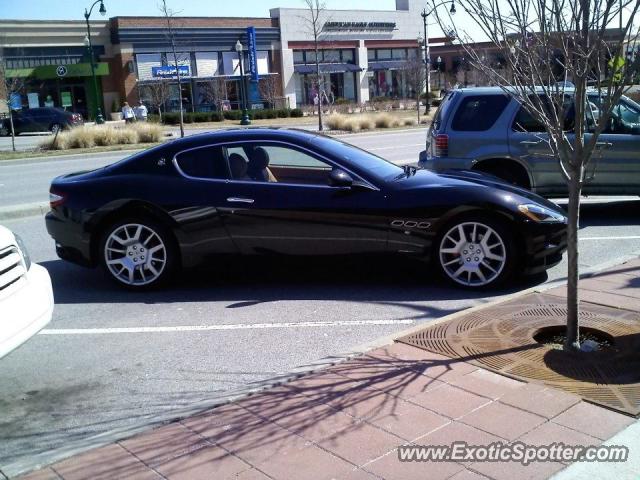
(530, 142)
(239, 200)
(604, 144)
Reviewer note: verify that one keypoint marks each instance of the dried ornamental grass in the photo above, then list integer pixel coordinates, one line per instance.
(148, 132)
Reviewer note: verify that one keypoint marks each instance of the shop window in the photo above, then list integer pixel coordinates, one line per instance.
(298, 56)
(310, 56)
(384, 54)
(371, 54)
(399, 54)
(331, 56)
(347, 56)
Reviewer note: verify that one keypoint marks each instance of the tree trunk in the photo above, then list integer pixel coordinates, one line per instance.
(572, 342)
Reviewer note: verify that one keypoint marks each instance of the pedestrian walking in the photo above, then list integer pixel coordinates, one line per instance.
(127, 113)
(141, 112)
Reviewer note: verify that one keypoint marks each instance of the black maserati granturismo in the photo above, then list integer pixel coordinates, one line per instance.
(291, 192)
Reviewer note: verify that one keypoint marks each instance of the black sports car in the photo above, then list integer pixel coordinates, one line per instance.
(290, 192)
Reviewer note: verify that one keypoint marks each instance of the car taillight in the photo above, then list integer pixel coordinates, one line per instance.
(55, 199)
(442, 145)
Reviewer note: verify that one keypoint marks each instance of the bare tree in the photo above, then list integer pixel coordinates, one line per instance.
(169, 16)
(315, 25)
(546, 43)
(416, 77)
(269, 88)
(215, 91)
(9, 86)
(156, 95)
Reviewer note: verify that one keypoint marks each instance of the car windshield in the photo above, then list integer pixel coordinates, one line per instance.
(361, 159)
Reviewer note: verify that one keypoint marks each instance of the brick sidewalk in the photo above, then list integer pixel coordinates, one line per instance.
(347, 421)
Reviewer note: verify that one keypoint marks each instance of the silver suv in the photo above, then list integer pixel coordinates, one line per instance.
(484, 129)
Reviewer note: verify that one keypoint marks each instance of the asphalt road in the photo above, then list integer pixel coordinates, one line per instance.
(68, 389)
(26, 181)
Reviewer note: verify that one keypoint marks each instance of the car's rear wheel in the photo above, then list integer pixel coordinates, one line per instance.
(4, 131)
(138, 254)
(476, 253)
(55, 128)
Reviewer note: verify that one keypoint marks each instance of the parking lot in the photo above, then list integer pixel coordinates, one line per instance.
(112, 361)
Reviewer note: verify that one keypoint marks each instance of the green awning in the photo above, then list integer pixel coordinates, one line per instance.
(45, 72)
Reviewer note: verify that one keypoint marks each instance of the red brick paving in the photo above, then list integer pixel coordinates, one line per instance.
(346, 422)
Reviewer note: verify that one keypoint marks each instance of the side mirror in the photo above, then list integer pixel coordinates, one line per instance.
(340, 178)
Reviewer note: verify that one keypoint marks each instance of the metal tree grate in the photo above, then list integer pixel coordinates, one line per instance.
(501, 339)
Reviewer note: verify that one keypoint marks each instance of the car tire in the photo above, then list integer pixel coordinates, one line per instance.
(476, 252)
(55, 128)
(4, 131)
(138, 254)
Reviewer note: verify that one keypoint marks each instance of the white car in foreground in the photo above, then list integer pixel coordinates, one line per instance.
(26, 296)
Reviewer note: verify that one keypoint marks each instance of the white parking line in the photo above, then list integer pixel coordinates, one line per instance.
(630, 237)
(194, 328)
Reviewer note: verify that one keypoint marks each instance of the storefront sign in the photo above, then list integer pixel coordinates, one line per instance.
(61, 71)
(169, 71)
(253, 54)
(65, 98)
(359, 26)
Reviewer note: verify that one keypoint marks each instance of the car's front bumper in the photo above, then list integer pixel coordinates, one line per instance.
(544, 247)
(26, 308)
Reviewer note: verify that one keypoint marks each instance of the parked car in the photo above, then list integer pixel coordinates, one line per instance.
(483, 129)
(290, 192)
(40, 120)
(26, 297)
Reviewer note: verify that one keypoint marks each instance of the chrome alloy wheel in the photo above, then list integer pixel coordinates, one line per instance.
(135, 254)
(472, 254)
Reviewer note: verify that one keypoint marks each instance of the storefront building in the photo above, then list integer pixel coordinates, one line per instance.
(207, 61)
(49, 64)
(362, 53)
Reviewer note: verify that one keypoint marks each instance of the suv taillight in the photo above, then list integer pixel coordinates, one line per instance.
(55, 199)
(442, 145)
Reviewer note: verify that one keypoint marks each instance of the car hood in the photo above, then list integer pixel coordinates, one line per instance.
(468, 178)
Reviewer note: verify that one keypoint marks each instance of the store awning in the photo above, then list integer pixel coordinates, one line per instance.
(45, 72)
(327, 68)
(389, 65)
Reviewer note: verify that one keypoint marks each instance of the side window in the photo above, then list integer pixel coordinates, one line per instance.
(477, 113)
(275, 163)
(204, 162)
(524, 122)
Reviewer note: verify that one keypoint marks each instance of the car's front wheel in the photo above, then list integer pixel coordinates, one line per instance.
(476, 253)
(5, 131)
(55, 128)
(138, 254)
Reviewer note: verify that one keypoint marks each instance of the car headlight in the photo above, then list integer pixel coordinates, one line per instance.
(541, 214)
(24, 251)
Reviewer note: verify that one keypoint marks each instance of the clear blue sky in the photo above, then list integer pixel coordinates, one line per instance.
(73, 9)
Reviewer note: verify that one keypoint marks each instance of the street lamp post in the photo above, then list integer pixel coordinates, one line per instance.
(243, 91)
(87, 42)
(427, 59)
(439, 64)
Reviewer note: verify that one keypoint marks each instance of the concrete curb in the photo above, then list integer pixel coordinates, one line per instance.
(15, 212)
